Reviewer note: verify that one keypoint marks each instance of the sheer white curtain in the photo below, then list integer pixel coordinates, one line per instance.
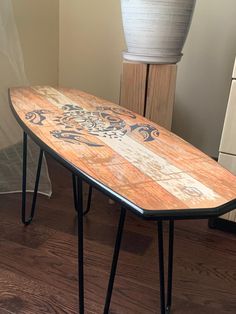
(12, 74)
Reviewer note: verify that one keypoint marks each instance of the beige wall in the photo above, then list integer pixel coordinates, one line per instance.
(91, 41)
(38, 26)
(204, 74)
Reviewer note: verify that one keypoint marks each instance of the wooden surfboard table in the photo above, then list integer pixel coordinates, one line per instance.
(147, 169)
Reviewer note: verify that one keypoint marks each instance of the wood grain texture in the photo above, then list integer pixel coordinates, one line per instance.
(127, 154)
(42, 277)
(133, 86)
(149, 90)
(161, 94)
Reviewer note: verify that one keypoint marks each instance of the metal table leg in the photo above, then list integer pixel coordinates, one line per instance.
(170, 266)
(75, 194)
(78, 199)
(25, 220)
(161, 267)
(80, 245)
(115, 260)
(28, 220)
(165, 307)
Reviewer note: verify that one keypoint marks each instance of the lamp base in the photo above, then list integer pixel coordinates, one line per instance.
(151, 59)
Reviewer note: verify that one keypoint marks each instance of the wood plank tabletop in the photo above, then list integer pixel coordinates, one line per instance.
(142, 164)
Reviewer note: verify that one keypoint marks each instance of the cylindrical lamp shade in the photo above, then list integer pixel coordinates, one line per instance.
(156, 30)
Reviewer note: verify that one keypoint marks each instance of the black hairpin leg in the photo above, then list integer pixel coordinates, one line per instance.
(80, 245)
(25, 220)
(170, 266)
(75, 194)
(165, 306)
(89, 200)
(115, 260)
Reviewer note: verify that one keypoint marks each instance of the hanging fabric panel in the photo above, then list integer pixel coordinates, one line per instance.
(12, 73)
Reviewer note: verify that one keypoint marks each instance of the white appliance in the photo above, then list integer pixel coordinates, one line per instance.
(227, 155)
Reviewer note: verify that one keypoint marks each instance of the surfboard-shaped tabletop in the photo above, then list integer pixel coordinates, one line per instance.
(144, 166)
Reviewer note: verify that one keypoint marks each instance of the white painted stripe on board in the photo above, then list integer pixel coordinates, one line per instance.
(53, 96)
(174, 180)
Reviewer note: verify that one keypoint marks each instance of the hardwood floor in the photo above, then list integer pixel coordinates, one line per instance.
(38, 263)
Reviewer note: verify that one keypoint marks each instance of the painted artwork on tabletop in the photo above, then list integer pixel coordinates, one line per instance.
(104, 121)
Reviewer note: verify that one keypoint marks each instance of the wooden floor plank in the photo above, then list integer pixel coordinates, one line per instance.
(38, 264)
